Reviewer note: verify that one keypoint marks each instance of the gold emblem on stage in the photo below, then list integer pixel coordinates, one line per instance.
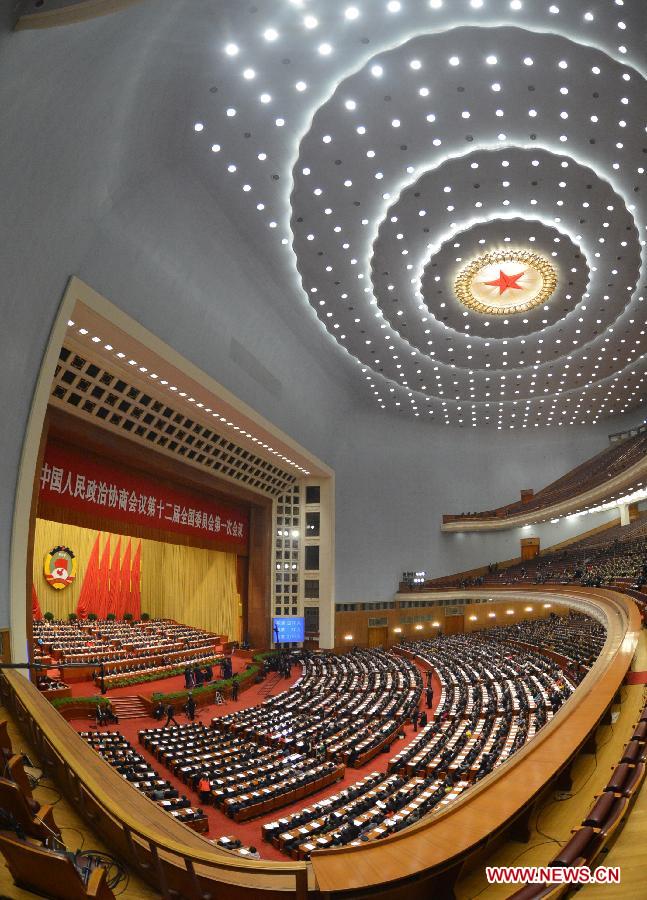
(505, 282)
(60, 567)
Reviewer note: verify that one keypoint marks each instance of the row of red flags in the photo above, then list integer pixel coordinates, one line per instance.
(109, 586)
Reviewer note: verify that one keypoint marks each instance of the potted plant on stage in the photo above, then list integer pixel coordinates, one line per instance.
(72, 616)
(111, 617)
(145, 617)
(49, 617)
(92, 617)
(128, 617)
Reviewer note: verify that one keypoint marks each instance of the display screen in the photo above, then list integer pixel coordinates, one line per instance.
(287, 629)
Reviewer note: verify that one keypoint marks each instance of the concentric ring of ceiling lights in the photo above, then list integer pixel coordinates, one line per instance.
(429, 134)
(505, 282)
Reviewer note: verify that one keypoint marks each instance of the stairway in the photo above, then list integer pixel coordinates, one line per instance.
(129, 707)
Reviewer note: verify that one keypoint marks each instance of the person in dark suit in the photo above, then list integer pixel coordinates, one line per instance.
(189, 707)
(430, 696)
(170, 715)
(423, 718)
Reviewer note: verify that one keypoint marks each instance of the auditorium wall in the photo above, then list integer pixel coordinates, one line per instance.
(191, 585)
(425, 622)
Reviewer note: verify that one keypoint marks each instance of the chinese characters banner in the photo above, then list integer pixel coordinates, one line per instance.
(71, 480)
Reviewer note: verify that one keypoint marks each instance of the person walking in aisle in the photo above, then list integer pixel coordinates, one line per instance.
(170, 715)
(189, 707)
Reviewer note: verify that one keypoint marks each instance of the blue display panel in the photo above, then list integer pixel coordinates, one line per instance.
(287, 629)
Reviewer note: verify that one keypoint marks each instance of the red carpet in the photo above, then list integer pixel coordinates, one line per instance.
(219, 824)
(636, 678)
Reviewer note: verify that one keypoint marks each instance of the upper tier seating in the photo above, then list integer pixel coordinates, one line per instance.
(612, 461)
(617, 554)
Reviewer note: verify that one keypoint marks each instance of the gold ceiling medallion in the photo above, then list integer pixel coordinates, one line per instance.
(505, 282)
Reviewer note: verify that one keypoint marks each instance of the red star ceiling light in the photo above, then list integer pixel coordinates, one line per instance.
(505, 282)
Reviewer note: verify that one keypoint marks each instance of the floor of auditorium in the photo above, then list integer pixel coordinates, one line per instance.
(551, 822)
(250, 833)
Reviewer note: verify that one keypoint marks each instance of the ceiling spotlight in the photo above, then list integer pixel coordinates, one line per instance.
(325, 49)
(231, 50)
(270, 34)
(394, 6)
(199, 126)
(249, 74)
(491, 60)
(310, 22)
(454, 60)
(415, 64)
(350, 104)
(351, 12)
(515, 4)
(265, 98)
(301, 85)
(231, 112)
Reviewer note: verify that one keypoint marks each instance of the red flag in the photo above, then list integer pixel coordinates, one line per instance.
(35, 605)
(135, 589)
(103, 587)
(123, 605)
(114, 586)
(88, 594)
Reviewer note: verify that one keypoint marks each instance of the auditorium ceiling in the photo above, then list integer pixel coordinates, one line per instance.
(456, 189)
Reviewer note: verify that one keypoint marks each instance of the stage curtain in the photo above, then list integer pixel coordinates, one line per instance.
(88, 596)
(135, 587)
(193, 586)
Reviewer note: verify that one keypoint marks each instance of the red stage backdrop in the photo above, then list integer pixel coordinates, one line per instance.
(71, 480)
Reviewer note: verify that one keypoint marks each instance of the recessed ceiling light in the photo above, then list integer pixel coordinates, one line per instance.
(231, 50)
(351, 12)
(270, 34)
(310, 22)
(301, 85)
(376, 71)
(325, 49)
(199, 126)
